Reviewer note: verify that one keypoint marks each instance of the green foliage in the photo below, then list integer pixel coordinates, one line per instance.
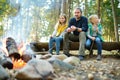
(107, 20)
(45, 19)
(46, 13)
(91, 8)
(1, 30)
(116, 8)
(6, 9)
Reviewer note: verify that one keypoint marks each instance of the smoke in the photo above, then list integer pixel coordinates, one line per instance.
(20, 25)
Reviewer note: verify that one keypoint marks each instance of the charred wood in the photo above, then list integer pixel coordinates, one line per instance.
(11, 46)
(5, 61)
(28, 54)
(27, 57)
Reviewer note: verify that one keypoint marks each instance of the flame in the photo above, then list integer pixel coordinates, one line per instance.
(17, 64)
(21, 48)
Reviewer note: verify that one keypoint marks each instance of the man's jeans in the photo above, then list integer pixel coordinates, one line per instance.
(81, 38)
(98, 43)
(56, 40)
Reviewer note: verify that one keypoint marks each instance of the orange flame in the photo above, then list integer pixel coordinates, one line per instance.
(17, 64)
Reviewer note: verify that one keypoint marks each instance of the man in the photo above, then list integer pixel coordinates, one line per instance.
(77, 27)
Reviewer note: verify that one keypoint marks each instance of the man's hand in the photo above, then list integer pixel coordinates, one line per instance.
(69, 30)
(79, 29)
(73, 28)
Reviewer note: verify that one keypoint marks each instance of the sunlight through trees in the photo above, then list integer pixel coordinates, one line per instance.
(34, 20)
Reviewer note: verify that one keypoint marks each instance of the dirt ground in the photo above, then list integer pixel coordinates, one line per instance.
(91, 69)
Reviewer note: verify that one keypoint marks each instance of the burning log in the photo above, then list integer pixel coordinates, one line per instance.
(26, 57)
(5, 61)
(28, 54)
(12, 48)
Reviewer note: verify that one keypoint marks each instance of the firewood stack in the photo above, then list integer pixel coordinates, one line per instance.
(12, 49)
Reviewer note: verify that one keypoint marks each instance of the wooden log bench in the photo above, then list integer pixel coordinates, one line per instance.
(40, 46)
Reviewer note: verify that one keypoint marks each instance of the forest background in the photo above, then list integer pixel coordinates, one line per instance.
(34, 20)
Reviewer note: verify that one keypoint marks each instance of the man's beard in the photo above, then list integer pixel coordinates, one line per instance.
(77, 17)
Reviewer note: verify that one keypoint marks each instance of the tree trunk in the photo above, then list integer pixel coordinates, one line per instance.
(69, 9)
(86, 8)
(99, 8)
(115, 21)
(63, 7)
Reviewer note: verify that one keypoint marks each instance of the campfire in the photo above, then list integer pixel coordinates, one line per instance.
(16, 54)
(17, 64)
(19, 59)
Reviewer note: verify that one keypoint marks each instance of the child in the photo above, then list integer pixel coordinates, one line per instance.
(58, 33)
(94, 34)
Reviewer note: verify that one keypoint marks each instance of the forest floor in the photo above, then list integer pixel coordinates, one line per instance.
(91, 69)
